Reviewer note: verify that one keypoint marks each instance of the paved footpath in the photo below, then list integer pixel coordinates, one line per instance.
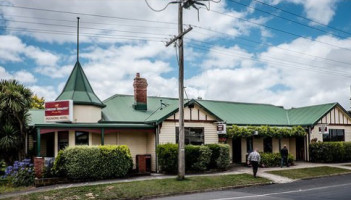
(262, 172)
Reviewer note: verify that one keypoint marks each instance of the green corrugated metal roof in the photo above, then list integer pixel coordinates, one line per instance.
(119, 110)
(309, 115)
(79, 89)
(246, 113)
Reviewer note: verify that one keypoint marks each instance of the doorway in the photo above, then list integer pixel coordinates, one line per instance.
(236, 150)
(300, 148)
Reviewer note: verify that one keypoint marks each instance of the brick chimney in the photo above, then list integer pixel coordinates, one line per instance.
(140, 93)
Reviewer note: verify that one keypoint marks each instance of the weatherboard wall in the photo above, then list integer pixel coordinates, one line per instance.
(193, 117)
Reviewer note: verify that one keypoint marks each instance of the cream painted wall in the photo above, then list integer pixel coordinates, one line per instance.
(196, 114)
(96, 139)
(86, 114)
(258, 143)
(168, 131)
(71, 138)
(315, 132)
(138, 143)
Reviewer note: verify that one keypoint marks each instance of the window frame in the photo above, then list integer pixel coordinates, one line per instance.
(187, 131)
(334, 135)
(83, 133)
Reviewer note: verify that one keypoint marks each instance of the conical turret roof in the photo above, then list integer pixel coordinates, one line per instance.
(79, 90)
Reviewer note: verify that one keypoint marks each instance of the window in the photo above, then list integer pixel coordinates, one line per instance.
(82, 138)
(267, 145)
(249, 144)
(334, 135)
(62, 139)
(193, 136)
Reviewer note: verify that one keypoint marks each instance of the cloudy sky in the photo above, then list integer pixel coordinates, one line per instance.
(290, 53)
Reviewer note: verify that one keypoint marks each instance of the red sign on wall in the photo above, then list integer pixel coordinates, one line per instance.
(59, 111)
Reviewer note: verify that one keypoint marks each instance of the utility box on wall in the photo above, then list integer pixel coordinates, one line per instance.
(143, 163)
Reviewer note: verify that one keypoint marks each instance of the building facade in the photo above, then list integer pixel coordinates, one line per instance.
(143, 122)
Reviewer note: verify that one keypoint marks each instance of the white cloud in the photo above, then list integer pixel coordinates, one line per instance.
(13, 49)
(48, 92)
(21, 76)
(321, 11)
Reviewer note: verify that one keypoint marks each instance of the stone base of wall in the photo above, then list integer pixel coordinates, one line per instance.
(38, 182)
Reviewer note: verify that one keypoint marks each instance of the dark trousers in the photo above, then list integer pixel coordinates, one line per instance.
(284, 161)
(254, 167)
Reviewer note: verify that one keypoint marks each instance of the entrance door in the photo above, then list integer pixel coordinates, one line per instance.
(236, 150)
(300, 148)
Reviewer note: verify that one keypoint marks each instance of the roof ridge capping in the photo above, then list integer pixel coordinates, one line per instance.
(333, 103)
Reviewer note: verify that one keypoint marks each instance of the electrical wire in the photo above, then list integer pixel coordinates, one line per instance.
(277, 29)
(302, 17)
(270, 45)
(82, 27)
(85, 22)
(160, 10)
(86, 14)
(284, 18)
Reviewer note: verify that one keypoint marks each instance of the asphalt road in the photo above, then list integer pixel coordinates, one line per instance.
(334, 187)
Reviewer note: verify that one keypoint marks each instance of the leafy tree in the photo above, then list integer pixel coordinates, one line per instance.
(15, 101)
(37, 103)
(9, 142)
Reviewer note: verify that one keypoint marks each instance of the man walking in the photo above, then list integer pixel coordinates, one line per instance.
(284, 152)
(254, 159)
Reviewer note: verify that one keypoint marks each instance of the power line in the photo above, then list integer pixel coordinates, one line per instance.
(270, 45)
(302, 17)
(279, 30)
(55, 32)
(86, 22)
(86, 14)
(71, 26)
(284, 18)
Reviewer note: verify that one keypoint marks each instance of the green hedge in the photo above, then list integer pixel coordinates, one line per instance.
(329, 152)
(93, 162)
(220, 158)
(197, 158)
(274, 159)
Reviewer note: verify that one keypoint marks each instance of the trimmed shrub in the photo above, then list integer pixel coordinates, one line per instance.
(167, 156)
(93, 162)
(274, 159)
(197, 158)
(329, 152)
(220, 158)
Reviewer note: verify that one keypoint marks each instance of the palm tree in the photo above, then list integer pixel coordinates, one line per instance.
(9, 143)
(15, 101)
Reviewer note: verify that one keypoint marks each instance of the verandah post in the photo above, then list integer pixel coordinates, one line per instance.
(102, 136)
(38, 142)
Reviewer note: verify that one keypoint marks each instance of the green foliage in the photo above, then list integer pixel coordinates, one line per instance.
(167, 155)
(93, 162)
(37, 103)
(15, 101)
(265, 131)
(220, 156)
(23, 177)
(274, 159)
(329, 152)
(198, 158)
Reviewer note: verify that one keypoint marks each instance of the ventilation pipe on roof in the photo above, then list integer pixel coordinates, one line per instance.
(140, 93)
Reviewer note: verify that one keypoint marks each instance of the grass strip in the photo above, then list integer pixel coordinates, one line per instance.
(149, 188)
(312, 172)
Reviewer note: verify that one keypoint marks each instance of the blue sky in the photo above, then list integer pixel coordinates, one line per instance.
(290, 53)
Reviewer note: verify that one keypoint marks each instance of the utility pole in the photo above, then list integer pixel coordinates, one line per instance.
(181, 139)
